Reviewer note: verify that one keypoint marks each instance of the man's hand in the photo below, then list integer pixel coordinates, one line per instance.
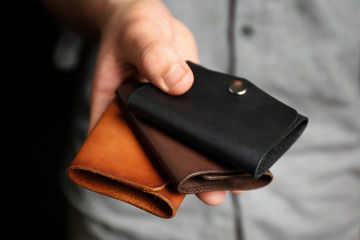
(140, 39)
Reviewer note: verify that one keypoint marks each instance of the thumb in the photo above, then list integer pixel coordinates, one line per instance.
(157, 46)
(159, 63)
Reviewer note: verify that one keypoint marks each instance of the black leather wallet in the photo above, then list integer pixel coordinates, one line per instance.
(189, 171)
(226, 117)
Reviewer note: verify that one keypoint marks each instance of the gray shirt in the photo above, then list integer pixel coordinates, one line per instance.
(305, 53)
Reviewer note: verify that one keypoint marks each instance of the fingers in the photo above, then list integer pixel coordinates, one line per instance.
(213, 198)
(237, 192)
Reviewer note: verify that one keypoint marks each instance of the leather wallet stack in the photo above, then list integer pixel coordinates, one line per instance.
(150, 149)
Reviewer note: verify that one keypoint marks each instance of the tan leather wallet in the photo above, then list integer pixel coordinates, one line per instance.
(112, 162)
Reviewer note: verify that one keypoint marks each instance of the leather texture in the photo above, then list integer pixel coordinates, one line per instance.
(113, 163)
(249, 132)
(190, 171)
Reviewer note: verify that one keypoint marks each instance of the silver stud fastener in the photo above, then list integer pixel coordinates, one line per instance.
(237, 87)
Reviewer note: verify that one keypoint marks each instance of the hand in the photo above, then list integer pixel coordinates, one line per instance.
(140, 39)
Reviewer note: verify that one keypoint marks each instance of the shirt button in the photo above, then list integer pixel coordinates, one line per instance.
(247, 30)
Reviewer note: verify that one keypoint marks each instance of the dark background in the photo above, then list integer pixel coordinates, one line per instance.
(38, 101)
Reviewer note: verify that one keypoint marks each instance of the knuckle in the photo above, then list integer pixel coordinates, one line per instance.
(153, 52)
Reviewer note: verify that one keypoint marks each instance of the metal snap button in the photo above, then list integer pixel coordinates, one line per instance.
(237, 87)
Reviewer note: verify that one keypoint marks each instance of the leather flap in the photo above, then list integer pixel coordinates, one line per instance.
(113, 149)
(203, 181)
(112, 162)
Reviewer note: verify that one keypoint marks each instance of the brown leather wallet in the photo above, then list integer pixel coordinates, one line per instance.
(112, 162)
(190, 170)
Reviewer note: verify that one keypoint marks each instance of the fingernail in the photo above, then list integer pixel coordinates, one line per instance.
(174, 76)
